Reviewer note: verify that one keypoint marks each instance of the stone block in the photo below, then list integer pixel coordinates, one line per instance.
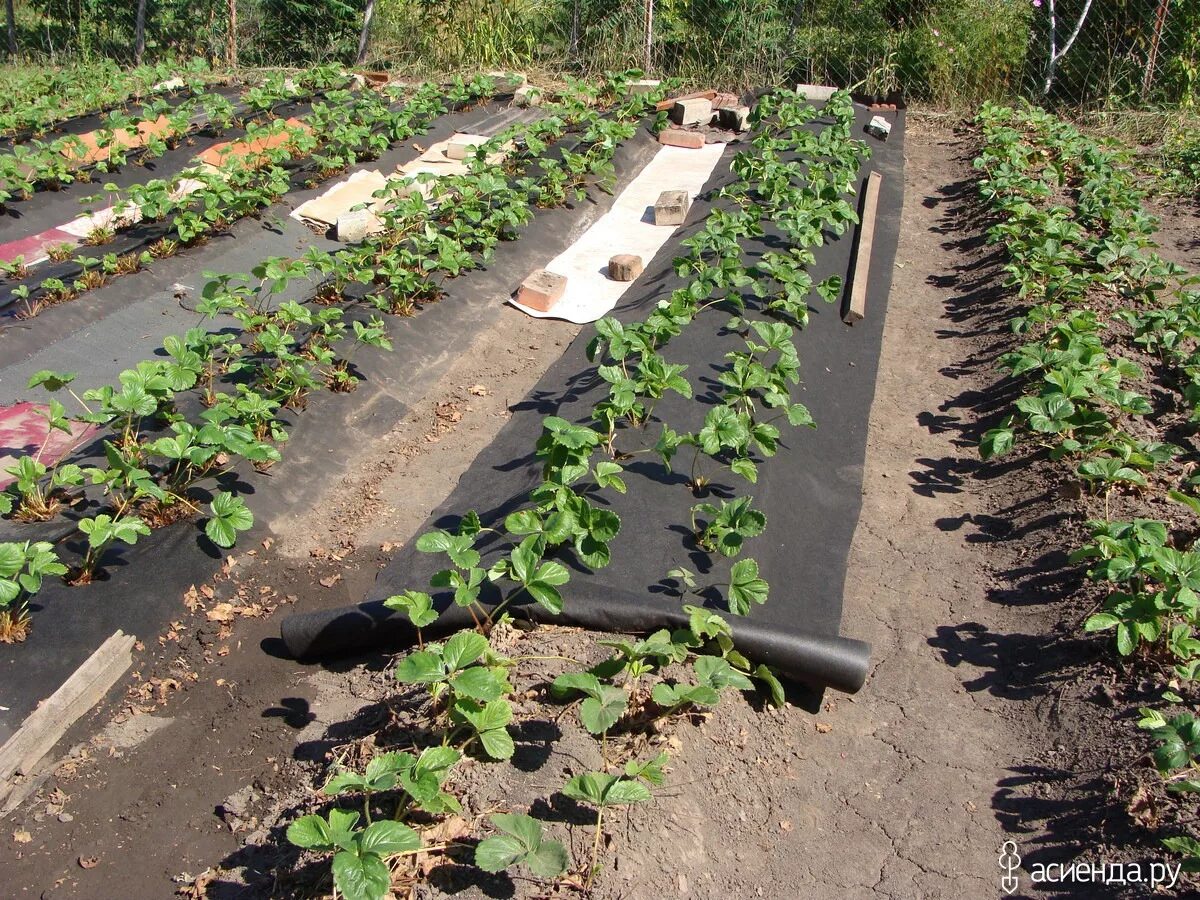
(625, 267)
(541, 290)
(671, 208)
(463, 145)
(879, 127)
(734, 118)
(694, 111)
(527, 95)
(644, 86)
(355, 226)
(673, 137)
(815, 92)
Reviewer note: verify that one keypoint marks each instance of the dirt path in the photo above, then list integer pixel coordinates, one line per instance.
(902, 791)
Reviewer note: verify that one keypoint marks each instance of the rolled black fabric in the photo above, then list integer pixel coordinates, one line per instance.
(810, 491)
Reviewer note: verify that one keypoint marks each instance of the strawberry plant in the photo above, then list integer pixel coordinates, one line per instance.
(520, 841)
(22, 568)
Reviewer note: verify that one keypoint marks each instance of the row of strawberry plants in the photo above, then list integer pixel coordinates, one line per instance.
(39, 165)
(161, 448)
(1081, 255)
(35, 99)
(200, 202)
(792, 177)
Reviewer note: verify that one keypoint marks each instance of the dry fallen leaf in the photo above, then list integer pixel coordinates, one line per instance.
(331, 580)
(822, 728)
(786, 825)
(222, 612)
(89, 862)
(478, 390)
(21, 836)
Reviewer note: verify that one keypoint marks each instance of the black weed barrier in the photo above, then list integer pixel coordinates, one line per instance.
(140, 586)
(810, 491)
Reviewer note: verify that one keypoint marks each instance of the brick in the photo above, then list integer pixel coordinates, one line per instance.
(644, 86)
(673, 137)
(527, 95)
(724, 98)
(815, 92)
(625, 267)
(734, 118)
(355, 226)
(541, 290)
(463, 145)
(696, 111)
(671, 208)
(879, 127)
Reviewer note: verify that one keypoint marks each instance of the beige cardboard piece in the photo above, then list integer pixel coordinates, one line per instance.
(325, 210)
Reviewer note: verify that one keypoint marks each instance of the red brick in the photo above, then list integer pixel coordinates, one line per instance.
(674, 137)
(541, 290)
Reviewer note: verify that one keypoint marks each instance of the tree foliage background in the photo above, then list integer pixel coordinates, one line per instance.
(948, 51)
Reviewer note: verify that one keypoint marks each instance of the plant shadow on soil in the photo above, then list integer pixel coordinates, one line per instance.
(1065, 803)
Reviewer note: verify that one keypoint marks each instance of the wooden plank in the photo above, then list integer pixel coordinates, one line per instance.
(46, 725)
(856, 307)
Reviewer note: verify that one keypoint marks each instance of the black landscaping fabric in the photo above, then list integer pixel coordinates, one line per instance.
(142, 586)
(810, 491)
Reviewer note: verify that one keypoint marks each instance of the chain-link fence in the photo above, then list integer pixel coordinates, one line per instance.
(952, 52)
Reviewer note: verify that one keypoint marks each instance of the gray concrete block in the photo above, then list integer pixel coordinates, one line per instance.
(815, 92)
(355, 226)
(644, 86)
(879, 127)
(734, 118)
(696, 111)
(671, 208)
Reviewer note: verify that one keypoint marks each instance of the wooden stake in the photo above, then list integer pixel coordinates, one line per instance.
(43, 728)
(856, 308)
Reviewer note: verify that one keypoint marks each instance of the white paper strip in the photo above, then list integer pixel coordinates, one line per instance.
(628, 227)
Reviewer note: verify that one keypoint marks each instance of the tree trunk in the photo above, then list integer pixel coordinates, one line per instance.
(364, 37)
(231, 54)
(12, 28)
(1160, 19)
(1055, 53)
(649, 45)
(139, 29)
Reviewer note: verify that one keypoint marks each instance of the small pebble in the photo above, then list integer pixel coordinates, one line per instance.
(66, 817)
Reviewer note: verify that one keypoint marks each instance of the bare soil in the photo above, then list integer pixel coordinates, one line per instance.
(987, 714)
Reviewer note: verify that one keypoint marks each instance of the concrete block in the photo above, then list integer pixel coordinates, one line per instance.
(815, 92)
(527, 95)
(355, 226)
(671, 208)
(673, 137)
(463, 145)
(734, 118)
(644, 86)
(541, 290)
(507, 81)
(694, 111)
(625, 266)
(171, 84)
(879, 127)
